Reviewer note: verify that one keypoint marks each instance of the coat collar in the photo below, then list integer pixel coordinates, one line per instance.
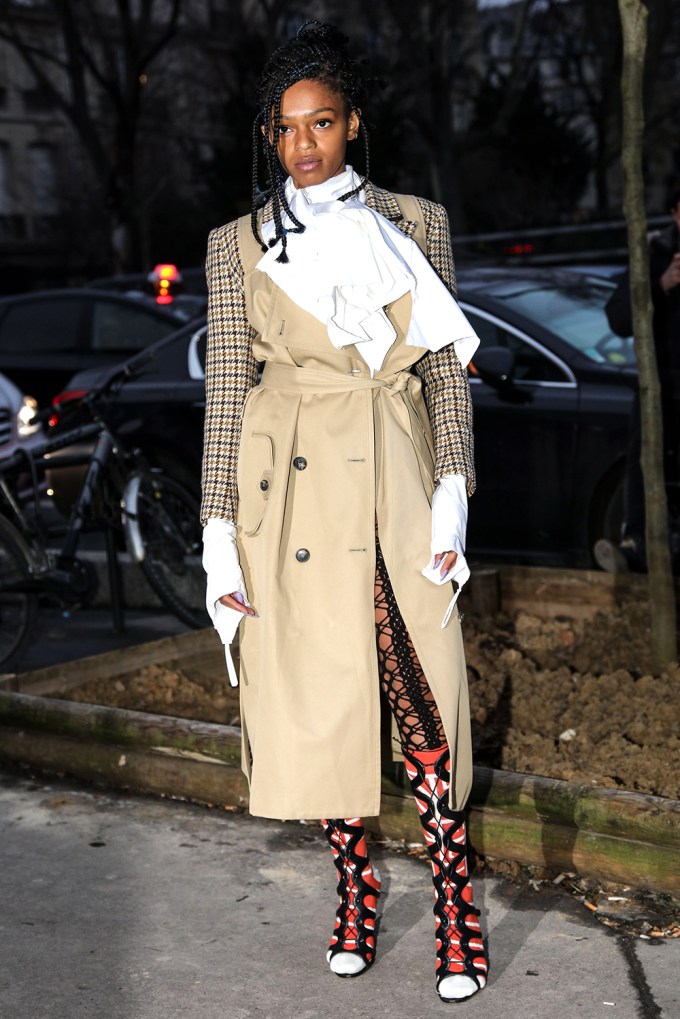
(378, 199)
(387, 205)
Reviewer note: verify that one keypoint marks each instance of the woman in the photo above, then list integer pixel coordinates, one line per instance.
(320, 499)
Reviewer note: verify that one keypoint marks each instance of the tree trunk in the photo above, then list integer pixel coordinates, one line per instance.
(661, 593)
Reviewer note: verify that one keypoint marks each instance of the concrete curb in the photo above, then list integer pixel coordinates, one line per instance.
(602, 833)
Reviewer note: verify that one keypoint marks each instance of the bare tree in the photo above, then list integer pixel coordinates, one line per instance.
(633, 15)
(95, 72)
(583, 40)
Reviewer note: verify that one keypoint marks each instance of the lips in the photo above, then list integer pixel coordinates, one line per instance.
(308, 164)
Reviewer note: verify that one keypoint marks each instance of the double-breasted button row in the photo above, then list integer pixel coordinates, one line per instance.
(303, 554)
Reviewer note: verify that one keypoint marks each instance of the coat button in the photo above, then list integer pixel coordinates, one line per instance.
(264, 484)
(302, 555)
(299, 463)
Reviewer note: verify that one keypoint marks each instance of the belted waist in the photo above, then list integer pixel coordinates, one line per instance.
(291, 379)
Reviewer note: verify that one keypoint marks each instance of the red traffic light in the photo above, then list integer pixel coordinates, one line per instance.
(163, 276)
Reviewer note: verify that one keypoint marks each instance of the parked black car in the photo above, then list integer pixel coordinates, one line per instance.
(552, 389)
(47, 336)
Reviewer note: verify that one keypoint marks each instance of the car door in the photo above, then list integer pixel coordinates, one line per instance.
(122, 327)
(40, 343)
(525, 442)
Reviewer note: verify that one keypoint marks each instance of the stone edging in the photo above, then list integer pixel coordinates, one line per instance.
(602, 833)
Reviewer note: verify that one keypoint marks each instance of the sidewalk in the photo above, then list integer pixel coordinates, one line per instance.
(130, 908)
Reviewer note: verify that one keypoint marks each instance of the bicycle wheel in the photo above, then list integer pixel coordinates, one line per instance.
(169, 530)
(18, 605)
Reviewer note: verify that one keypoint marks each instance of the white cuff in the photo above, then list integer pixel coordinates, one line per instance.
(459, 574)
(449, 523)
(449, 514)
(224, 576)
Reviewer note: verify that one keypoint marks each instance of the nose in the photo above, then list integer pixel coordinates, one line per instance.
(305, 140)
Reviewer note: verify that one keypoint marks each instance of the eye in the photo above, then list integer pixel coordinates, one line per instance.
(283, 129)
(324, 122)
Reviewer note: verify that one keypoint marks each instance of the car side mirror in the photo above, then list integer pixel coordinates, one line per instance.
(495, 366)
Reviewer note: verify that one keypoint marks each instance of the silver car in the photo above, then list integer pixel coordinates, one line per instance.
(16, 417)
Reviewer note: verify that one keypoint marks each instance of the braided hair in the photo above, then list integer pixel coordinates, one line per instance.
(317, 53)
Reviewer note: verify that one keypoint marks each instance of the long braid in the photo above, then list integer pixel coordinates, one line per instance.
(255, 187)
(279, 195)
(319, 53)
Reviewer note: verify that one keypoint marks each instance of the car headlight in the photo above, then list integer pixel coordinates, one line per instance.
(25, 417)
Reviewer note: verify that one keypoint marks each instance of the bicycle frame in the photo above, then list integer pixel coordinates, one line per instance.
(61, 572)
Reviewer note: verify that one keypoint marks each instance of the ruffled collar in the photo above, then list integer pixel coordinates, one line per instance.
(350, 263)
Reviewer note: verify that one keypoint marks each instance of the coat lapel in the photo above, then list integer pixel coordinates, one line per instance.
(387, 205)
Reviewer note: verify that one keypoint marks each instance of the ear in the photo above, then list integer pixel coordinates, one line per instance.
(353, 125)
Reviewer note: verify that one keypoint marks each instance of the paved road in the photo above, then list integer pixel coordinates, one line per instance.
(121, 908)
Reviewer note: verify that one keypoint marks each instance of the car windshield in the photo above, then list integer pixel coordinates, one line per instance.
(572, 310)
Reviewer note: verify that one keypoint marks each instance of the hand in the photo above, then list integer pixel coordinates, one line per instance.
(235, 601)
(671, 277)
(447, 561)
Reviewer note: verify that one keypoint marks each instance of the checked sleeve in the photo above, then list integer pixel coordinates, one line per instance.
(231, 372)
(445, 382)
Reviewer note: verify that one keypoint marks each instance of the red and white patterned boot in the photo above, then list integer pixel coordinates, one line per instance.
(352, 945)
(461, 960)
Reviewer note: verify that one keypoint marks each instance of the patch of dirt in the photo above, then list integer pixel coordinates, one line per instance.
(564, 698)
(164, 690)
(574, 699)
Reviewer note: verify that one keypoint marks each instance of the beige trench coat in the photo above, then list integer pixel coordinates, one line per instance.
(325, 452)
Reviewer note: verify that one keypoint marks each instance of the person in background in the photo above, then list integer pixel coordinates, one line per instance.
(664, 268)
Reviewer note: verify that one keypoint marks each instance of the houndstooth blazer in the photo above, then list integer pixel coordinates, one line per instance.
(231, 369)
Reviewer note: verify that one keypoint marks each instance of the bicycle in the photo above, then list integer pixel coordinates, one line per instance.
(135, 504)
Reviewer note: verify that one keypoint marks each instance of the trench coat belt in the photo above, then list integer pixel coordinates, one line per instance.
(291, 379)
(410, 410)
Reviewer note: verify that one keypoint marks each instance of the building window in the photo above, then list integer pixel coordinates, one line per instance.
(43, 174)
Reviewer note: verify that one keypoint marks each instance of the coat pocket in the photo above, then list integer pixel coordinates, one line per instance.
(255, 477)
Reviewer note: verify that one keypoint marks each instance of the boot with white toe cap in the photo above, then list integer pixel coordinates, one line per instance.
(461, 959)
(352, 946)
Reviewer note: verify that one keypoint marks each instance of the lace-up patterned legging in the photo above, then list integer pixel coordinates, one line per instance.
(401, 674)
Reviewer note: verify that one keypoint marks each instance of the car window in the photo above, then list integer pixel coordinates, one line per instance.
(118, 327)
(572, 310)
(43, 325)
(531, 365)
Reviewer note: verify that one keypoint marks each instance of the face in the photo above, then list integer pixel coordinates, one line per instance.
(314, 132)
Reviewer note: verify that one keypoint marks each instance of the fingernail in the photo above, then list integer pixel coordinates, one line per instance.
(444, 572)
